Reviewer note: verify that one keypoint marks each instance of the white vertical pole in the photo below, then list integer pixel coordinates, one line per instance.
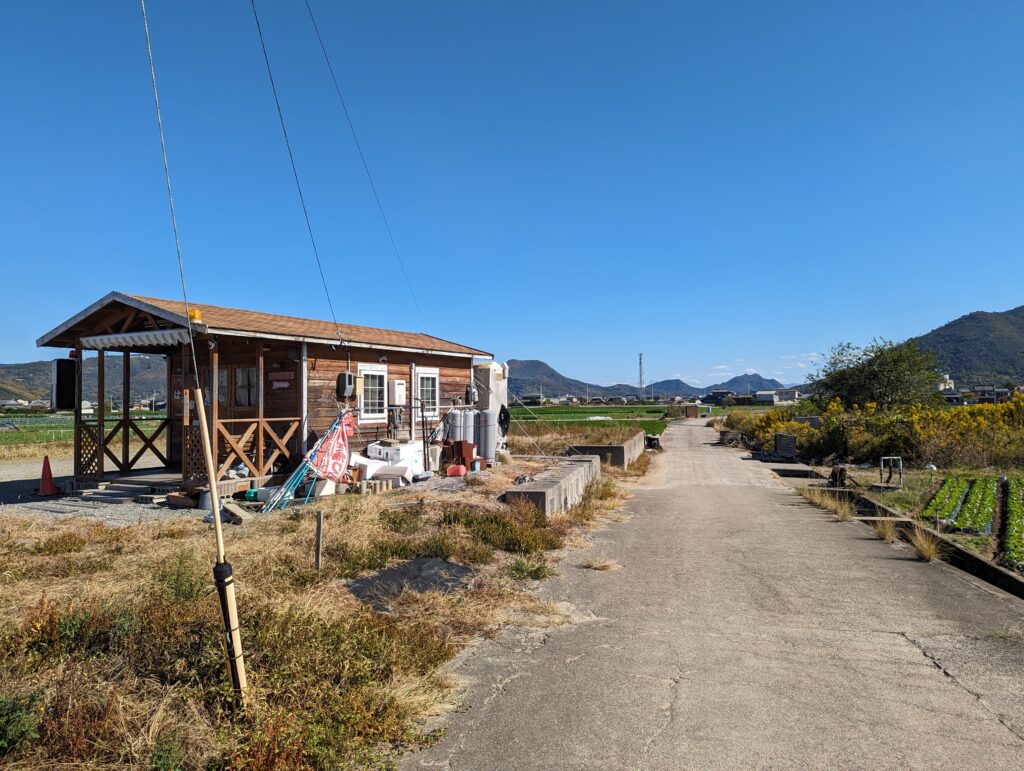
(304, 396)
(413, 395)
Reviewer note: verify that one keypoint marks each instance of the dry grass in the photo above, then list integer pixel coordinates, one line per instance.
(842, 508)
(926, 546)
(37, 451)
(600, 563)
(886, 530)
(110, 637)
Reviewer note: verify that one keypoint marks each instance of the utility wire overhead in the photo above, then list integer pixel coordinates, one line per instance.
(366, 166)
(295, 171)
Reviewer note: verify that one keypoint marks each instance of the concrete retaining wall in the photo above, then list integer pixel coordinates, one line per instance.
(615, 454)
(952, 552)
(559, 487)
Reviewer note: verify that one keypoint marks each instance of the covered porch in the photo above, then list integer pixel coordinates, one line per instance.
(253, 393)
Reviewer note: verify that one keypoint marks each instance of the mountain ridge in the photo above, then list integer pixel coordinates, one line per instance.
(532, 375)
(980, 347)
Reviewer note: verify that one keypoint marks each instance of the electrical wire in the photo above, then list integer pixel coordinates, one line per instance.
(295, 171)
(366, 166)
(170, 193)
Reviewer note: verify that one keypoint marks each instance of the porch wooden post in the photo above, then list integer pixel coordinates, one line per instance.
(185, 390)
(101, 415)
(214, 402)
(126, 397)
(168, 400)
(259, 415)
(79, 366)
(304, 402)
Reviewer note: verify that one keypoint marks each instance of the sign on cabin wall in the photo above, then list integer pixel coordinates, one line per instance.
(281, 380)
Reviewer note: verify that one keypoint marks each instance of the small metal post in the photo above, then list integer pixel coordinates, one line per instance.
(319, 538)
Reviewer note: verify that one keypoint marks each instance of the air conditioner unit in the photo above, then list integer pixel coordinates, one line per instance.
(396, 393)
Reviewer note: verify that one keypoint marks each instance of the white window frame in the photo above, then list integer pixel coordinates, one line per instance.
(374, 369)
(429, 373)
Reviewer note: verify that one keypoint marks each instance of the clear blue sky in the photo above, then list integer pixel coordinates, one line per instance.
(724, 186)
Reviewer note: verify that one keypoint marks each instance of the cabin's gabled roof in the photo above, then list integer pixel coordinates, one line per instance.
(219, 320)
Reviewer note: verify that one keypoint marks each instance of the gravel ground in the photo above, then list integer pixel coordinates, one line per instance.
(19, 480)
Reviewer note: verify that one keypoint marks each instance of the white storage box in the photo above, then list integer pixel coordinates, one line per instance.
(409, 454)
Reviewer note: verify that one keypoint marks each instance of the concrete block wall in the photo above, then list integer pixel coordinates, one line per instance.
(615, 454)
(560, 486)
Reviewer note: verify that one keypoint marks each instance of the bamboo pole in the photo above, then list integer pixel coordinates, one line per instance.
(222, 570)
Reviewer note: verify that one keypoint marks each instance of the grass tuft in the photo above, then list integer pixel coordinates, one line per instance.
(524, 569)
(601, 564)
(886, 530)
(926, 545)
(843, 508)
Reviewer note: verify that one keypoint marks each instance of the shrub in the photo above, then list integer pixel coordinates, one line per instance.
(184, 578)
(403, 520)
(527, 569)
(62, 543)
(19, 721)
(515, 531)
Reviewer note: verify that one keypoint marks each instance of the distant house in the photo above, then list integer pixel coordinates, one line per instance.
(766, 397)
(953, 397)
(740, 400)
(946, 383)
(788, 395)
(718, 396)
(531, 400)
(989, 394)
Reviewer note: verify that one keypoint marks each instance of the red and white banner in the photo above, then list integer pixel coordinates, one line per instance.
(331, 458)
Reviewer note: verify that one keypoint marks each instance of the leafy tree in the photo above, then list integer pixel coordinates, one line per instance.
(884, 373)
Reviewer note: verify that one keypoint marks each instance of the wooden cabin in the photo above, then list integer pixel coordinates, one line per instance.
(270, 384)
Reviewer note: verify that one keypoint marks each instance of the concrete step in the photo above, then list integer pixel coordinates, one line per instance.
(101, 497)
(121, 487)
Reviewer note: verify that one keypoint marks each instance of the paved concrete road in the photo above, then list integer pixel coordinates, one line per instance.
(747, 629)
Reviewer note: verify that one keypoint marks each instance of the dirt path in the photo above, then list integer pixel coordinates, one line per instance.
(746, 629)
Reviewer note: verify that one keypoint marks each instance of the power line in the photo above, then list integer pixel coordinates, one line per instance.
(295, 171)
(170, 194)
(366, 166)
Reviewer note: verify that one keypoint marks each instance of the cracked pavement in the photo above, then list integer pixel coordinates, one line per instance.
(746, 629)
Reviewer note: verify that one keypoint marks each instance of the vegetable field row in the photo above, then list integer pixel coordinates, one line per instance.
(970, 505)
(1013, 548)
(979, 508)
(947, 501)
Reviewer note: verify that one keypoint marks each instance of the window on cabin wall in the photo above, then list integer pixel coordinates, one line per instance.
(247, 386)
(373, 404)
(428, 390)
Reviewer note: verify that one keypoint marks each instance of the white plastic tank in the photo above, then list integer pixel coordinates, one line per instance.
(469, 425)
(455, 425)
(487, 434)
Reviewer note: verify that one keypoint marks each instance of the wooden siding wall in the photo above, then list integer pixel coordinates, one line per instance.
(325, 364)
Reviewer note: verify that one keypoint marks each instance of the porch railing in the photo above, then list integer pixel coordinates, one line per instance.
(256, 443)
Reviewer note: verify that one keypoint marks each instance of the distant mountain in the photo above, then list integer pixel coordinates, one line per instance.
(980, 347)
(31, 380)
(530, 376)
(743, 384)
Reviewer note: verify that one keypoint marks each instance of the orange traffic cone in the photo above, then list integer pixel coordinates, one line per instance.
(46, 486)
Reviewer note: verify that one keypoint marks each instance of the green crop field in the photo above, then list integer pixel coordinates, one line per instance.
(577, 412)
(49, 428)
